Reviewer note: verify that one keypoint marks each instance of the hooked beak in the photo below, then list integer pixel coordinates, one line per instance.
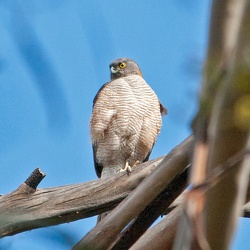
(113, 70)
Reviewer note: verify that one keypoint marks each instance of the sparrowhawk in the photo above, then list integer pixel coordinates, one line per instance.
(126, 119)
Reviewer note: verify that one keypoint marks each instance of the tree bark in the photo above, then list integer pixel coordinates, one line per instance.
(26, 208)
(222, 129)
(106, 231)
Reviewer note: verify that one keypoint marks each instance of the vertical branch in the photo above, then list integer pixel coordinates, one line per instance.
(229, 128)
(211, 215)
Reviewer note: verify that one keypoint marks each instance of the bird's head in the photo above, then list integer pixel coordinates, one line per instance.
(122, 67)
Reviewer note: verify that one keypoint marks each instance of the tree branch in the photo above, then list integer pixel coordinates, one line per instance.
(105, 232)
(223, 125)
(162, 235)
(27, 208)
(34, 179)
(156, 208)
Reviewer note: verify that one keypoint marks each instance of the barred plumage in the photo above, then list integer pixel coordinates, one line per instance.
(126, 118)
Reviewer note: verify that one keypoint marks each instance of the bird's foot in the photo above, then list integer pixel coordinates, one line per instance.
(136, 163)
(127, 168)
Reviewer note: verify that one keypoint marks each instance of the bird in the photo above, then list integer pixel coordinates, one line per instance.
(125, 121)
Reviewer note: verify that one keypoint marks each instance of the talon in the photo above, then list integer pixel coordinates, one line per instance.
(127, 168)
(136, 163)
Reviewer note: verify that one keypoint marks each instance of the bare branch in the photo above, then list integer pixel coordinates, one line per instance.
(223, 125)
(35, 178)
(105, 232)
(156, 208)
(162, 235)
(25, 208)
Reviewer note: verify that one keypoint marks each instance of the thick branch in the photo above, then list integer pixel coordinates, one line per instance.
(156, 208)
(105, 232)
(162, 235)
(26, 209)
(223, 106)
(229, 128)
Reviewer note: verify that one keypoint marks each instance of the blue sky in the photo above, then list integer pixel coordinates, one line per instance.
(54, 57)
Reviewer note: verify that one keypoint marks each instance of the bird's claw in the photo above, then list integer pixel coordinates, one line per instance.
(127, 168)
(136, 163)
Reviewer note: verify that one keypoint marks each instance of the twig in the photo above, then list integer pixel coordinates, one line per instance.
(35, 178)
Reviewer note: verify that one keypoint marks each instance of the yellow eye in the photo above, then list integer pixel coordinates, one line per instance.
(122, 65)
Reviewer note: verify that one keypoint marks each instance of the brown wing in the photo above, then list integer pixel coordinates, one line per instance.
(163, 110)
(97, 94)
(98, 167)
